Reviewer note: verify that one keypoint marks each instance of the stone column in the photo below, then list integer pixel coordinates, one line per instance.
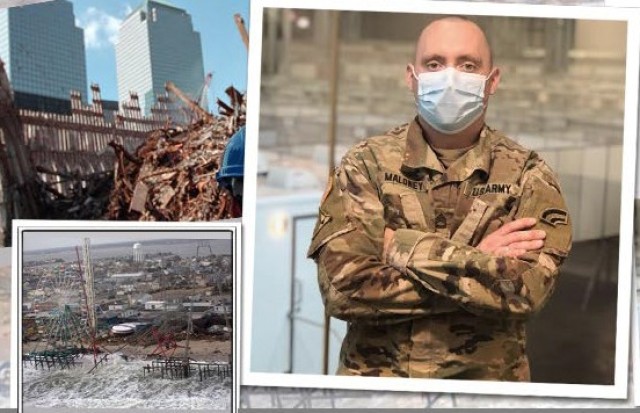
(322, 28)
(285, 22)
(558, 35)
(271, 55)
(351, 25)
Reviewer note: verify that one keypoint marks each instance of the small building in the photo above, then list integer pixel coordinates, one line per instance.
(142, 298)
(117, 307)
(128, 276)
(222, 308)
(156, 305)
(129, 313)
(199, 306)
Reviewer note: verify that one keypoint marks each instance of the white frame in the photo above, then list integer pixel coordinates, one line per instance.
(19, 226)
(635, 337)
(616, 391)
(13, 357)
(621, 3)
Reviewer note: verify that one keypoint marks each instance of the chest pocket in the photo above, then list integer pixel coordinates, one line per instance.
(403, 207)
(487, 212)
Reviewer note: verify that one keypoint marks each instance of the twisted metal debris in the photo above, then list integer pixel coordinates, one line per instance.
(172, 175)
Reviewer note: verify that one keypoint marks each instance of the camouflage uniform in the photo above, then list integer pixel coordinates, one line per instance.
(431, 304)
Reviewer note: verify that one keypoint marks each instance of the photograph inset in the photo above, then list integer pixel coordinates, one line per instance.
(127, 319)
(404, 285)
(5, 326)
(129, 110)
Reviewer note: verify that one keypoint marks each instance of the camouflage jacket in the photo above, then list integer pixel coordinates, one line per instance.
(432, 304)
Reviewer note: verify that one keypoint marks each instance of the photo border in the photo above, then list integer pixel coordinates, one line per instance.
(233, 226)
(635, 338)
(13, 347)
(616, 391)
(622, 3)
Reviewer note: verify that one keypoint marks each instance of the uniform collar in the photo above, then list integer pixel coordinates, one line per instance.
(419, 157)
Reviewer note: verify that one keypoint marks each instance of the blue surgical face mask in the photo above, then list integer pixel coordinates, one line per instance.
(450, 100)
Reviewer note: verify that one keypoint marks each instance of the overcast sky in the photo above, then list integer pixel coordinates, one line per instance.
(39, 240)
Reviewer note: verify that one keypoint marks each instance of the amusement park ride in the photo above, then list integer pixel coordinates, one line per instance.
(67, 332)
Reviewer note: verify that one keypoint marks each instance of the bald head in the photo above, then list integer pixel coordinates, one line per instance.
(452, 43)
(454, 36)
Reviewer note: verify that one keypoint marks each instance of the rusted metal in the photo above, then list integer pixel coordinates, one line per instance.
(172, 175)
(242, 29)
(52, 360)
(183, 367)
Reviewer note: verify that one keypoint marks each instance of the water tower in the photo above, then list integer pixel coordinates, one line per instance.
(138, 253)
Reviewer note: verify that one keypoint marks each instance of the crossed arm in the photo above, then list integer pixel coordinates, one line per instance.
(370, 273)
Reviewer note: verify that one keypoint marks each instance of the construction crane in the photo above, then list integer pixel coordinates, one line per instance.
(203, 101)
(242, 29)
(192, 104)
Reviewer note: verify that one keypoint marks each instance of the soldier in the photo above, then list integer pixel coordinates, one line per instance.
(437, 240)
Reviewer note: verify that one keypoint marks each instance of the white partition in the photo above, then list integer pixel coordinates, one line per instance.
(308, 310)
(288, 313)
(590, 223)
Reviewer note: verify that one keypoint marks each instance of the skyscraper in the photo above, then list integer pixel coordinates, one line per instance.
(157, 43)
(43, 52)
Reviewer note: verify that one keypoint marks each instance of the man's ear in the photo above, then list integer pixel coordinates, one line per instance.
(409, 79)
(494, 81)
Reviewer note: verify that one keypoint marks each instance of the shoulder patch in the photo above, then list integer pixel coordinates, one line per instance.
(554, 216)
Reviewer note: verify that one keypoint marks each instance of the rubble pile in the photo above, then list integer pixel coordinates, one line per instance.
(169, 177)
(84, 197)
(172, 175)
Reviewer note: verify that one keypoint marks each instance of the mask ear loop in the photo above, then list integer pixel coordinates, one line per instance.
(487, 80)
(413, 70)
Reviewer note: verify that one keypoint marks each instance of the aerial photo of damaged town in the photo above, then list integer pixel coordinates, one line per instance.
(108, 322)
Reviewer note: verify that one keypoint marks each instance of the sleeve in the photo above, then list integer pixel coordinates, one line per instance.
(347, 245)
(485, 284)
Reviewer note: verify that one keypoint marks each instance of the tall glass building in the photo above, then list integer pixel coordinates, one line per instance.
(157, 43)
(43, 52)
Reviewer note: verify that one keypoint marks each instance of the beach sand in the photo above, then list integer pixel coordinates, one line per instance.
(201, 349)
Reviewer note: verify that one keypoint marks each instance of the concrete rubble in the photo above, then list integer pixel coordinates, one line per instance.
(87, 196)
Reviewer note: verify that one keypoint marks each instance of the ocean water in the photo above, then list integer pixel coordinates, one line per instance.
(121, 384)
(182, 249)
